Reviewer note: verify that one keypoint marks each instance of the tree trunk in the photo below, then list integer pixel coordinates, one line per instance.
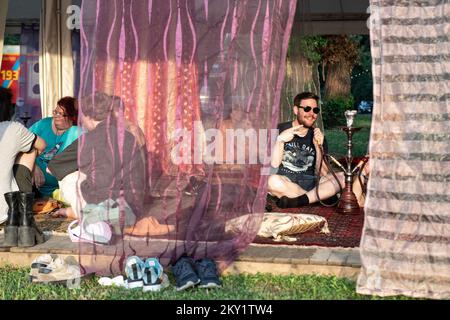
(338, 81)
(301, 75)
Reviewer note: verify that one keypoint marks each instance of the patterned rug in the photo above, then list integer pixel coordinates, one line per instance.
(345, 230)
(47, 223)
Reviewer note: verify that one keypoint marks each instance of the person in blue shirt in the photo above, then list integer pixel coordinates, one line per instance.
(58, 132)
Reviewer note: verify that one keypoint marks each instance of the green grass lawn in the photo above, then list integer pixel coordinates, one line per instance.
(337, 139)
(14, 284)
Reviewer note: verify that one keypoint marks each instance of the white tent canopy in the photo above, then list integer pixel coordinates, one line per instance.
(312, 16)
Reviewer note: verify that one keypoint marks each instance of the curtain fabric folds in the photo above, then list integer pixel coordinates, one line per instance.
(29, 87)
(405, 247)
(55, 58)
(3, 13)
(182, 94)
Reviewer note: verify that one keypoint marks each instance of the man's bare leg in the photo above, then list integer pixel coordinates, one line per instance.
(328, 187)
(358, 184)
(357, 190)
(280, 186)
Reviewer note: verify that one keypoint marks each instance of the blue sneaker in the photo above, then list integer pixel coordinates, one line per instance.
(207, 271)
(184, 272)
(134, 268)
(153, 276)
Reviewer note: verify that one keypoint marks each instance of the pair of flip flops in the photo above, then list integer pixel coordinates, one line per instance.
(51, 268)
(147, 274)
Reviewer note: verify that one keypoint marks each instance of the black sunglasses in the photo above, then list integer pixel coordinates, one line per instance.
(316, 110)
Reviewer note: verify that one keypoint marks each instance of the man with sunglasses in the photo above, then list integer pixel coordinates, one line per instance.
(297, 155)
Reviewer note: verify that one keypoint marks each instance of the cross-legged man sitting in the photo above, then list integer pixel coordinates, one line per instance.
(298, 155)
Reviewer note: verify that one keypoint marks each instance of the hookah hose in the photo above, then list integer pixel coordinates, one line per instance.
(327, 163)
(365, 160)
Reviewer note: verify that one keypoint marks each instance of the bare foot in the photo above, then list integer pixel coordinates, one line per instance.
(149, 226)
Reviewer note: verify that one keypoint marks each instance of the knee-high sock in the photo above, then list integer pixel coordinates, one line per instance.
(23, 178)
(286, 202)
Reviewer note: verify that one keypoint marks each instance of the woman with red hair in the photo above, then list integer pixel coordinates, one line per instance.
(58, 132)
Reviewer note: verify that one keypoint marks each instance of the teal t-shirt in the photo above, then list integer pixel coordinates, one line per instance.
(55, 144)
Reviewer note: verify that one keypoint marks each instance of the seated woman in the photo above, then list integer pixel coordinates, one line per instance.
(19, 146)
(111, 165)
(58, 132)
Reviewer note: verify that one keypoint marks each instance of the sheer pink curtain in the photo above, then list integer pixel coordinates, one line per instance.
(166, 82)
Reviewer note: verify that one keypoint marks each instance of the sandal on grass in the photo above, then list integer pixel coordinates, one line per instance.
(60, 270)
(41, 262)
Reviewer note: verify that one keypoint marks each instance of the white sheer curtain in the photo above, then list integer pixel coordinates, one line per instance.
(405, 248)
(55, 59)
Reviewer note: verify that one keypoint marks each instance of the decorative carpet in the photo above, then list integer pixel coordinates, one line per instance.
(345, 230)
(47, 223)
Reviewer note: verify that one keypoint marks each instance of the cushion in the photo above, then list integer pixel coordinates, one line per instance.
(280, 226)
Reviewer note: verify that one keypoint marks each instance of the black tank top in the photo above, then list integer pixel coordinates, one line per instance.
(299, 154)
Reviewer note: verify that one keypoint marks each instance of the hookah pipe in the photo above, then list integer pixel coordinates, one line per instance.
(359, 167)
(348, 203)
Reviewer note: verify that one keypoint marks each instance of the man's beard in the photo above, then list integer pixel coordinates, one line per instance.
(303, 124)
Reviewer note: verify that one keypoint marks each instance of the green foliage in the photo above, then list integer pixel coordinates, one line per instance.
(15, 286)
(12, 39)
(362, 83)
(333, 110)
(309, 47)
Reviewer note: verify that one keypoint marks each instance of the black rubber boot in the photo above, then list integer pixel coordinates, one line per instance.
(12, 223)
(29, 233)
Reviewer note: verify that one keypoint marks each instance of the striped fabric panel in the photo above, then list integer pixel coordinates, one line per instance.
(419, 68)
(415, 78)
(401, 50)
(425, 107)
(422, 218)
(405, 247)
(412, 3)
(415, 21)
